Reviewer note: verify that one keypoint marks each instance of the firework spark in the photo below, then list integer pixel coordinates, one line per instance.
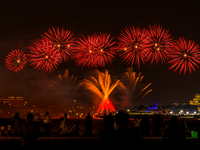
(95, 51)
(43, 55)
(132, 45)
(63, 80)
(63, 41)
(16, 60)
(185, 56)
(102, 87)
(64, 85)
(133, 82)
(159, 44)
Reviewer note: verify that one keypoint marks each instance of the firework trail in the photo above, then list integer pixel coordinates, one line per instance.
(94, 51)
(132, 45)
(16, 60)
(64, 43)
(101, 86)
(43, 55)
(185, 56)
(159, 43)
(64, 85)
(133, 83)
(63, 80)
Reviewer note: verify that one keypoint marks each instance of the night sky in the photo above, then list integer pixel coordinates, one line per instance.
(23, 22)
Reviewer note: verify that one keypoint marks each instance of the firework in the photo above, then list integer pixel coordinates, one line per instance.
(133, 82)
(185, 56)
(63, 41)
(95, 51)
(16, 60)
(102, 87)
(159, 44)
(132, 45)
(43, 55)
(63, 80)
(63, 85)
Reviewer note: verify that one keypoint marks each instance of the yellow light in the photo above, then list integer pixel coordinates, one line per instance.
(74, 100)
(185, 55)
(101, 50)
(125, 49)
(90, 51)
(158, 49)
(136, 46)
(68, 45)
(128, 110)
(58, 45)
(18, 61)
(156, 44)
(46, 57)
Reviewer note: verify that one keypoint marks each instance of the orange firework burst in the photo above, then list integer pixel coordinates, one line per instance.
(102, 87)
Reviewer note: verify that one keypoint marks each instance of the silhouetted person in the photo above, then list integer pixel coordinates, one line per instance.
(137, 123)
(157, 120)
(75, 129)
(124, 135)
(17, 122)
(175, 132)
(47, 124)
(109, 124)
(145, 126)
(88, 125)
(29, 131)
(63, 124)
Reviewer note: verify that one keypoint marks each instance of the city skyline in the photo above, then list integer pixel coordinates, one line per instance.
(25, 22)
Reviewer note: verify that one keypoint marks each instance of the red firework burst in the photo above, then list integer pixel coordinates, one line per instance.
(16, 60)
(132, 45)
(95, 51)
(43, 55)
(186, 55)
(63, 41)
(159, 43)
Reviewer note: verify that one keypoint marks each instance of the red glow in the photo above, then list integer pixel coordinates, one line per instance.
(63, 41)
(185, 56)
(132, 45)
(44, 56)
(16, 60)
(94, 51)
(159, 43)
(107, 106)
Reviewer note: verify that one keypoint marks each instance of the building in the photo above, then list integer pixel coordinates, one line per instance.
(13, 101)
(196, 100)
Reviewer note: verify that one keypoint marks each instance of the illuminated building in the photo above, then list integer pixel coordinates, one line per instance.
(196, 100)
(13, 101)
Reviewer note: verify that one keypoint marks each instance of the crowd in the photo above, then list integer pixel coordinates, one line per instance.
(115, 127)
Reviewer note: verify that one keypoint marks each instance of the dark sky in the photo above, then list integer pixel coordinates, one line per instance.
(22, 22)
